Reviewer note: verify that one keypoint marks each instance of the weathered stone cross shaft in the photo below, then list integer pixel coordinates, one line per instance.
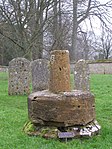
(59, 106)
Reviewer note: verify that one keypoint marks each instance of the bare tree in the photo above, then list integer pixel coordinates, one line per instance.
(26, 24)
(88, 9)
(74, 31)
(59, 28)
(105, 44)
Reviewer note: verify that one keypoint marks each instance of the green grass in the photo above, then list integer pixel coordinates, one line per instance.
(13, 115)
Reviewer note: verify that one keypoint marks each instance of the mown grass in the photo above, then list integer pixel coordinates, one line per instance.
(13, 115)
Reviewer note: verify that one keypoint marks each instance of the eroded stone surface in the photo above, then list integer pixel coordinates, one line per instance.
(40, 74)
(19, 77)
(64, 109)
(81, 76)
(59, 71)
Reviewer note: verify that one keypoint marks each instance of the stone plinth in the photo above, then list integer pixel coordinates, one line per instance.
(59, 71)
(61, 110)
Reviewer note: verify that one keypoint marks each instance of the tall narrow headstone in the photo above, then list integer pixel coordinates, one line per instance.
(40, 74)
(19, 77)
(81, 76)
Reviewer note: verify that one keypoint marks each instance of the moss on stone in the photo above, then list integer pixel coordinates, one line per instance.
(46, 132)
(28, 127)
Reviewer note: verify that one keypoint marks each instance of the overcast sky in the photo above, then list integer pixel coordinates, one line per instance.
(103, 1)
(95, 23)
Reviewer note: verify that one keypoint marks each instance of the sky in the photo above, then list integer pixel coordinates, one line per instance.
(103, 1)
(95, 23)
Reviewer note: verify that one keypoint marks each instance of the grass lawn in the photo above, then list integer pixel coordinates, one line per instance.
(13, 115)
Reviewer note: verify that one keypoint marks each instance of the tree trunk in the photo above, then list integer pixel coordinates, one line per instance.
(55, 27)
(37, 52)
(74, 32)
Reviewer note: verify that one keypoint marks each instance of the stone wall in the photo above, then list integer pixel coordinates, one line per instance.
(97, 68)
(100, 68)
(3, 68)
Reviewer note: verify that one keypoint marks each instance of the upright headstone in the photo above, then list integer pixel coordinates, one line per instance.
(81, 76)
(19, 76)
(40, 74)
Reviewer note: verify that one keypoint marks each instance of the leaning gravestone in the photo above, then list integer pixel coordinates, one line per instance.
(19, 76)
(40, 74)
(81, 76)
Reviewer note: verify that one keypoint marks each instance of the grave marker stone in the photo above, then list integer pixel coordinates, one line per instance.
(40, 74)
(81, 76)
(19, 77)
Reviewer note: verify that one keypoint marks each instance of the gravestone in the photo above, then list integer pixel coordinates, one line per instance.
(19, 77)
(81, 76)
(40, 74)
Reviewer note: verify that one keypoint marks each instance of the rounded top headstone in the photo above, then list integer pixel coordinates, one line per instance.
(40, 74)
(19, 76)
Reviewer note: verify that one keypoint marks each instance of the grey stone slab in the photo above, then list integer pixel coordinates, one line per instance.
(81, 76)
(40, 74)
(19, 77)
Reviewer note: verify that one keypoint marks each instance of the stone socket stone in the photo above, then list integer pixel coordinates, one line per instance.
(61, 110)
(40, 74)
(59, 71)
(19, 77)
(81, 76)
